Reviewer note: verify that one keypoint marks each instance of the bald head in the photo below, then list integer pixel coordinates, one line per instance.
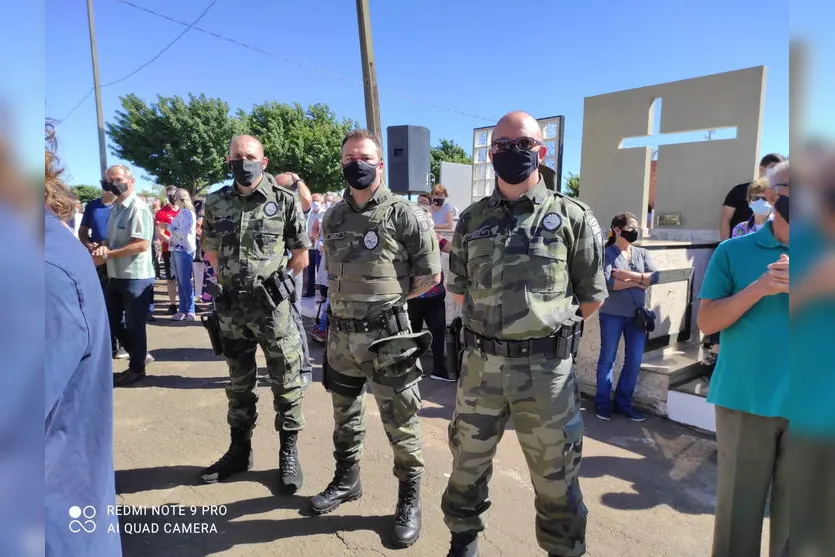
(517, 124)
(245, 147)
(516, 151)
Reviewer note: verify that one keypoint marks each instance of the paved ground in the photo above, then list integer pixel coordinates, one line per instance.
(649, 487)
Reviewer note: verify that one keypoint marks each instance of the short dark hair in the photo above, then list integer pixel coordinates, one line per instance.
(772, 158)
(363, 134)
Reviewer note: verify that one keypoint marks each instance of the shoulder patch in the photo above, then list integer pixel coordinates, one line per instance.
(595, 227)
(271, 208)
(552, 221)
(422, 218)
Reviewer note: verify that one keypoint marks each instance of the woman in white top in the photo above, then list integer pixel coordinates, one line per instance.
(183, 243)
(443, 214)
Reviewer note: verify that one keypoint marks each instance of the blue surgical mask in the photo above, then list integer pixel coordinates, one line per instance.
(760, 207)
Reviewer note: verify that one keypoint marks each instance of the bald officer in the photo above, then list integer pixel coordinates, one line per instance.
(520, 259)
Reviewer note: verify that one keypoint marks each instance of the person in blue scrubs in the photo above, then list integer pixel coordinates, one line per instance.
(79, 478)
(745, 295)
(811, 406)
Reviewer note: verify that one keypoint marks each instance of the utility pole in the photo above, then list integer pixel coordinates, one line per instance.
(97, 88)
(369, 72)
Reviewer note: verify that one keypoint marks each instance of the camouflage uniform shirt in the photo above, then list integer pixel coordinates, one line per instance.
(523, 265)
(252, 233)
(354, 246)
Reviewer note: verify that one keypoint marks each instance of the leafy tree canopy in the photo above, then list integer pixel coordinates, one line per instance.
(86, 193)
(177, 142)
(446, 151)
(305, 141)
(571, 185)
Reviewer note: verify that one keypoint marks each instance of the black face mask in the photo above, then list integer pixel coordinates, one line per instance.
(439, 202)
(630, 236)
(115, 189)
(359, 174)
(514, 166)
(172, 199)
(782, 207)
(246, 172)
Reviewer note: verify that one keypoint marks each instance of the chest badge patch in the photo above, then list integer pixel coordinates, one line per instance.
(270, 209)
(552, 221)
(371, 239)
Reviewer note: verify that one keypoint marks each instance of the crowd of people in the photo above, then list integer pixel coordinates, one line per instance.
(527, 266)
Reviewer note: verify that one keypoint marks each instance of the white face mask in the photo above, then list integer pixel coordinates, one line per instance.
(316, 206)
(760, 207)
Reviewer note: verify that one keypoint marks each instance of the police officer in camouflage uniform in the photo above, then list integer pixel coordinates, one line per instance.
(520, 259)
(380, 250)
(247, 228)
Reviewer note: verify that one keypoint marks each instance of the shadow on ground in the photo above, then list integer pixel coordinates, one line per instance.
(676, 466)
(229, 527)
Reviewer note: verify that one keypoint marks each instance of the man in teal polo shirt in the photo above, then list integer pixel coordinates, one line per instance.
(745, 296)
(811, 410)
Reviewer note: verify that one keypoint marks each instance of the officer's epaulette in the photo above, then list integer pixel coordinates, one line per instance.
(573, 200)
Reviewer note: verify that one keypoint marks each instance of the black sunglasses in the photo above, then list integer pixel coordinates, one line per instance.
(521, 144)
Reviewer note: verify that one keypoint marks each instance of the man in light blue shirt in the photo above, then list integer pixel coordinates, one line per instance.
(745, 296)
(130, 271)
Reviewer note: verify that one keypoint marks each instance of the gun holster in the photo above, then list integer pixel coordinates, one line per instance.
(212, 324)
(276, 288)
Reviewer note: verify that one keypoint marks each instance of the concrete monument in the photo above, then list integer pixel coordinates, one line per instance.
(692, 175)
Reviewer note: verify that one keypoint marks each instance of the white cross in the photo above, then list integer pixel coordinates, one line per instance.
(656, 139)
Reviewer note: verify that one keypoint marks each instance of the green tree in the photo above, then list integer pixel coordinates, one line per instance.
(177, 142)
(305, 141)
(571, 185)
(446, 151)
(85, 193)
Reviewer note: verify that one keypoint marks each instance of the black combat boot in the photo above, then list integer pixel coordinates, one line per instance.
(408, 515)
(345, 486)
(289, 470)
(237, 459)
(464, 544)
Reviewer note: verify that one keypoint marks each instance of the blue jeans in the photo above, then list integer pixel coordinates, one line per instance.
(182, 272)
(133, 297)
(611, 329)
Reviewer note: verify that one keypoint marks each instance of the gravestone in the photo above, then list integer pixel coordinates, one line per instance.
(707, 135)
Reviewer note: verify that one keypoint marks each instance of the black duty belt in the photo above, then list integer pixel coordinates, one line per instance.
(564, 343)
(394, 321)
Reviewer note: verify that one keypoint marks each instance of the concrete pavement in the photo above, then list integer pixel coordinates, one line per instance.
(649, 487)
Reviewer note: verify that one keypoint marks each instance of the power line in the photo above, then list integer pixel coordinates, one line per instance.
(189, 27)
(305, 65)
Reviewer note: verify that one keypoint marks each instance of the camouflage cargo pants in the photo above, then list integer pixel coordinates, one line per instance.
(348, 355)
(542, 396)
(245, 325)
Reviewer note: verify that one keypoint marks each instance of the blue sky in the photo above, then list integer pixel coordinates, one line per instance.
(454, 57)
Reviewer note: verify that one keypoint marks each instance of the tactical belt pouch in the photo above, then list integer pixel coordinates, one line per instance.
(563, 344)
(212, 324)
(276, 288)
(392, 321)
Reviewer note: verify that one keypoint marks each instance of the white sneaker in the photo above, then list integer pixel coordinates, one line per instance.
(444, 379)
(178, 316)
(190, 317)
